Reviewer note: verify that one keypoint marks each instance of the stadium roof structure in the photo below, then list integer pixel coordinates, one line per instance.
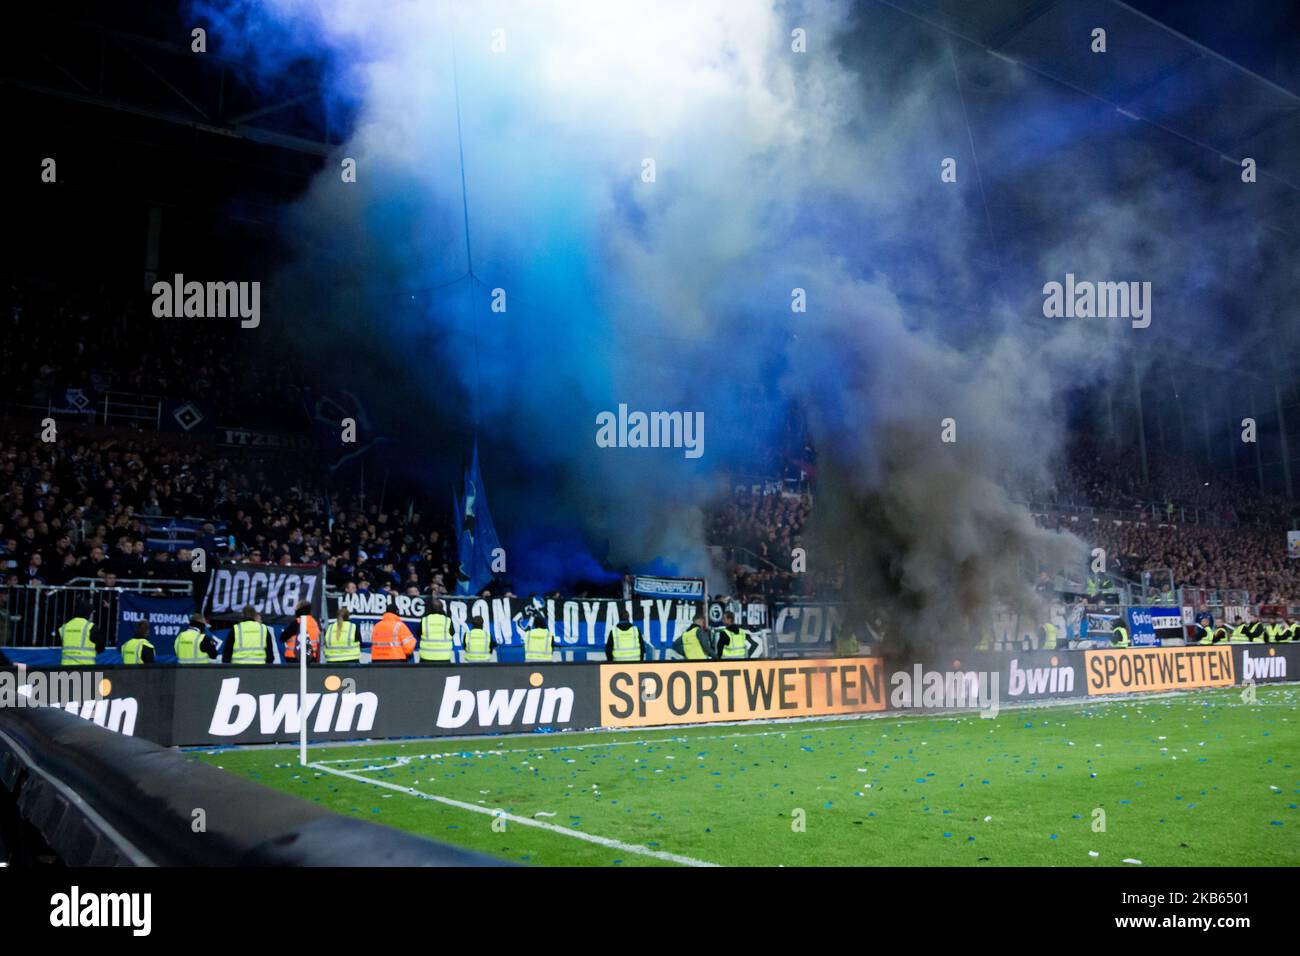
(134, 59)
(1221, 107)
(1205, 107)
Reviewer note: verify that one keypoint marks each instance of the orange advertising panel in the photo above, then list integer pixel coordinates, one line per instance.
(645, 695)
(1131, 670)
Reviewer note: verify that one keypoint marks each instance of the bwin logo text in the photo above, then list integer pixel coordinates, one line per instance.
(1261, 668)
(651, 430)
(210, 300)
(281, 713)
(1033, 681)
(504, 707)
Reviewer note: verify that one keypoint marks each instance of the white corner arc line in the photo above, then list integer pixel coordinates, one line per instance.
(524, 821)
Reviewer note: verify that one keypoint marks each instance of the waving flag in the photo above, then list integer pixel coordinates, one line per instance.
(476, 535)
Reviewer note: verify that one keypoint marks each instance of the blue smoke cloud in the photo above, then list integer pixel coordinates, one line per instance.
(775, 171)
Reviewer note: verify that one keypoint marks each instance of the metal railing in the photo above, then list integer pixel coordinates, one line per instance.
(1145, 512)
(733, 554)
(130, 408)
(31, 614)
(115, 408)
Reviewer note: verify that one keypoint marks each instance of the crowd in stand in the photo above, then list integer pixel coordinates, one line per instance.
(1252, 558)
(83, 508)
(1101, 478)
(1218, 535)
(83, 338)
(758, 532)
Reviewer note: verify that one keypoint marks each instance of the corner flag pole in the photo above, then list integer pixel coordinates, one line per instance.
(304, 648)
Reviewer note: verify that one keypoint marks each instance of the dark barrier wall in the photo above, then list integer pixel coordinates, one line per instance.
(255, 705)
(220, 704)
(100, 798)
(234, 705)
(648, 695)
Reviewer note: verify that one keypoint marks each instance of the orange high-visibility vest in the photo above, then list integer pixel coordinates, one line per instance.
(391, 639)
(313, 634)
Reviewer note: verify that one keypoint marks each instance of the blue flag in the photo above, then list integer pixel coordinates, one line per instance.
(475, 534)
(327, 414)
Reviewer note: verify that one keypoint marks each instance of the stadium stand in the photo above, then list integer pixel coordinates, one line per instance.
(132, 506)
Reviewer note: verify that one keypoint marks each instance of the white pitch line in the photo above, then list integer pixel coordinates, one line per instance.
(795, 726)
(555, 748)
(539, 824)
(798, 725)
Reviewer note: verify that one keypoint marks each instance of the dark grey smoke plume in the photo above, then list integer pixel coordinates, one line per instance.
(776, 170)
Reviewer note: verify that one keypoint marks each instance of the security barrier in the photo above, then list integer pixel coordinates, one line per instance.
(647, 695)
(77, 794)
(31, 614)
(1150, 669)
(222, 704)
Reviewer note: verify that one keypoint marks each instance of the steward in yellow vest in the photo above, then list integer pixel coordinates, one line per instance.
(1049, 636)
(249, 641)
(539, 643)
(79, 647)
(479, 644)
(623, 644)
(436, 635)
(342, 643)
(193, 645)
(138, 650)
(695, 643)
(1121, 636)
(734, 642)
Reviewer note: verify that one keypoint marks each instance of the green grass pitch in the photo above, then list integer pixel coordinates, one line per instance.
(1202, 779)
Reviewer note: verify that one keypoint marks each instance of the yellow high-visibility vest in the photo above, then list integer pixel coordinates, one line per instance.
(477, 645)
(133, 650)
(250, 643)
(341, 645)
(737, 644)
(435, 637)
(538, 645)
(692, 649)
(627, 644)
(78, 648)
(189, 648)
